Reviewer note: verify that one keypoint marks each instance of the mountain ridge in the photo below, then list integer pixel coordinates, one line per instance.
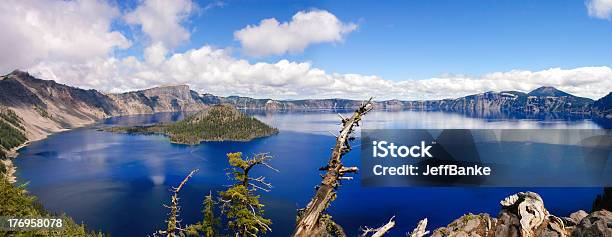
(47, 106)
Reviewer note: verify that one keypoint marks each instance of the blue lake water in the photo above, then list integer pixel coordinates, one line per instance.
(117, 183)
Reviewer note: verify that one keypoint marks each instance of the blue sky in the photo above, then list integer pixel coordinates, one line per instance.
(408, 50)
(401, 40)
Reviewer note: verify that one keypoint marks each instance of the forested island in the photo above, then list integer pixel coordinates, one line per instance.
(216, 123)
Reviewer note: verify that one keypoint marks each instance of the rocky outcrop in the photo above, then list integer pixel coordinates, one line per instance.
(467, 225)
(575, 217)
(549, 99)
(598, 223)
(47, 107)
(269, 104)
(159, 99)
(523, 214)
(603, 106)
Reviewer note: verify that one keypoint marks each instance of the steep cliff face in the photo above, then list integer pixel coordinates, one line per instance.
(603, 106)
(510, 101)
(47, 107)
(541, 100)
(549, 99)
(159, 99)
(269, 104)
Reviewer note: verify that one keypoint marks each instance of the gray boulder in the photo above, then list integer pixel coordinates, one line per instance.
(596, 224)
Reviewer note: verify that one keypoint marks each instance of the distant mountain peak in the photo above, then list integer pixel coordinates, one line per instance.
(19, 72)
(16, 73)
(603, 106)
(548, 91)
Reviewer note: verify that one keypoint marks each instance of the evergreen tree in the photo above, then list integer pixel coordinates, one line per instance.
(209, 225)
(210, 222)
(240, 204)
(15, 201)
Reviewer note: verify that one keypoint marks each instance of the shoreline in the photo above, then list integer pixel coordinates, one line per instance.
(14, 153)
(11, 168)
(169, 136)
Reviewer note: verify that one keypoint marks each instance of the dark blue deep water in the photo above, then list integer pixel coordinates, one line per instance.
(117, 183)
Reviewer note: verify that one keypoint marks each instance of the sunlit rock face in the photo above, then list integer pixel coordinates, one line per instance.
(543, 100)
(524, 214)
(603, 106)
(47, 107)
(159, 99)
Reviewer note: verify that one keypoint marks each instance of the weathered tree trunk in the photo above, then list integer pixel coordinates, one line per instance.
(383, 229)
(420, 230)
(174, 224)
(308, 221)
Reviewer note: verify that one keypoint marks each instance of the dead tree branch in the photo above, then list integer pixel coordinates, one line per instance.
(174, 224)
(380, 231)
(259, 159)
(420, 229)
(309, 220)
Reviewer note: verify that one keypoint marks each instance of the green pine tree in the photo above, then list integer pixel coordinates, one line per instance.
(210, 222)
(240, 203)
(209, 225)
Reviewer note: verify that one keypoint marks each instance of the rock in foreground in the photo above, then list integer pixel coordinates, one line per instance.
(523, 214)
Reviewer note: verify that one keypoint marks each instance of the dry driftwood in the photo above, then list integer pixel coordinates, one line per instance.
(380, 231)
(532, 215)
(308, 222)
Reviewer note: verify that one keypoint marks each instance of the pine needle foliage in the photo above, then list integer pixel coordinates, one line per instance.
(240, 203)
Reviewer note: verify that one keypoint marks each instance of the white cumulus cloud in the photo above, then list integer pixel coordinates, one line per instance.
(271, 37)
(37, 30)
(161, 20)
(72, 42)
(211, 70)
(600, 8)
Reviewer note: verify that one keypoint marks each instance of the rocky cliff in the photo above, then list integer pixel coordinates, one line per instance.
(159, 99)
(523, 214)
(47, 107)
(543, 100)
(603, 106)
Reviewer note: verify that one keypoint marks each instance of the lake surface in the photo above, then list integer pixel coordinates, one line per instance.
(117, 183)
